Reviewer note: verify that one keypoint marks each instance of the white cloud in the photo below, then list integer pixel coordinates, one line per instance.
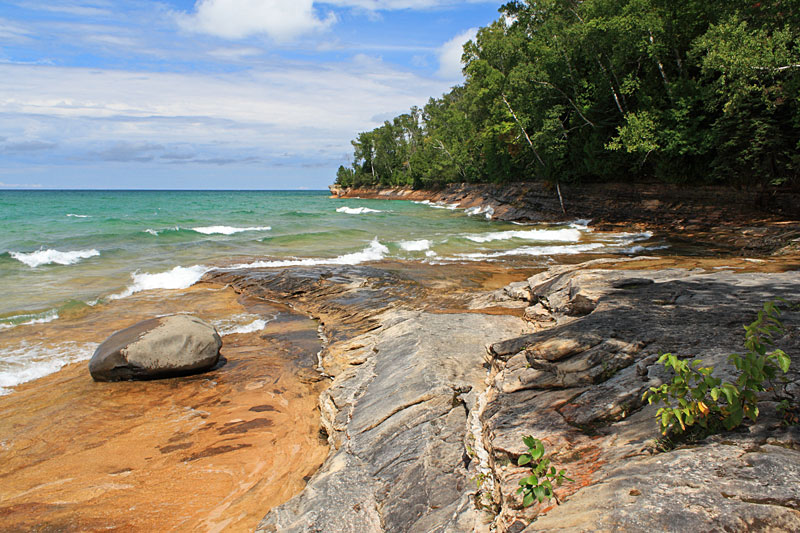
(12, 32)
(281, 20)
(309, 111)
(450, 55)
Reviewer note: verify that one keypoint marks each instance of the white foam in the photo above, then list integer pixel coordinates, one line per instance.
(374, 252)
(639, 248)
(544, 235)
(415, 246)
(237, 324)
(32, 361)
(534, 250)
(151, 232)
(480, 210)
(177, 278)
(357, 210)
(581, 223)
(46, 257)
(438, 205)
(228, 230)
(78, 216)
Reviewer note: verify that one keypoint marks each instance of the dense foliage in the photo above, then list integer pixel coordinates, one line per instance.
(568, 90)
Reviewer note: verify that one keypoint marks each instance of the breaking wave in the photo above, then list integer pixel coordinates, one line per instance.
(374, 252)
(228, 230)
(47, 257)
(544, 235)
(357, 210)
(415, 246)
(177, 278)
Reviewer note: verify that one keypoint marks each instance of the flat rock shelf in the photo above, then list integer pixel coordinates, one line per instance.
(430, 399)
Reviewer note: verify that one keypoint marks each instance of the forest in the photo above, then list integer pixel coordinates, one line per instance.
(696, 92)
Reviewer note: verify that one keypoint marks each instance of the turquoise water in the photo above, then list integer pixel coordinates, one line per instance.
(65, 248)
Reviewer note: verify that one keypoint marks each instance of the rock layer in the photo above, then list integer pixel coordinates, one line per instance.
(578, 386)
(159, 347)
(426, 425)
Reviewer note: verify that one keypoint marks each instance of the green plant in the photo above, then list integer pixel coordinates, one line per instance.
(694, 396)
(538, 485)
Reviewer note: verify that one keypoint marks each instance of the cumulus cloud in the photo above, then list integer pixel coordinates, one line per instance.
(280, 20)
(450, 54)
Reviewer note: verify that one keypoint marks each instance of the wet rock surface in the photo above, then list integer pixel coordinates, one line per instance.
(161, 347)
(577, 384)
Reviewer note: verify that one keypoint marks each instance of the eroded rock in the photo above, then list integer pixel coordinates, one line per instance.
(578, 386)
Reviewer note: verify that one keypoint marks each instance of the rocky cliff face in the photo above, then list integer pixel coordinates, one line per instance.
(426, 409)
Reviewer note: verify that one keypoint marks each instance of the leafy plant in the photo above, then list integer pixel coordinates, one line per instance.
(538, 485)
(694, 396)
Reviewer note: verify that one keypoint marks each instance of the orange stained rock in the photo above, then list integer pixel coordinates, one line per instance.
(210, 452)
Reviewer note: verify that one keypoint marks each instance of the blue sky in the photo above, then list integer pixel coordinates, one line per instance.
(213, 94)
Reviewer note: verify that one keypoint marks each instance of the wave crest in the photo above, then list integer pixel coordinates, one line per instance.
(374, 252)
(415, 246)
(228, 230)
(357, 210)
(544, 235)
(47, 257)
(177, 278)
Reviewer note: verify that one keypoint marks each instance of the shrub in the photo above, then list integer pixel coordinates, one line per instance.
(694, 396)
(538, 485)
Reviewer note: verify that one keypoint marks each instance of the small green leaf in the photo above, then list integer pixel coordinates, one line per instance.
(538, 452)
(527, 501)
(523, 459)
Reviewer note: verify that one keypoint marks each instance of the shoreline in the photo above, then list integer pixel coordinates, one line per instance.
(736, 222)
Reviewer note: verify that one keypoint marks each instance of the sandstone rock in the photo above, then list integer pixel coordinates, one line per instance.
(157, 348)
(538, 314)
(578, 386)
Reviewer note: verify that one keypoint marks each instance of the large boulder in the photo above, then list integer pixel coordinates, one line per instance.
(157, 348)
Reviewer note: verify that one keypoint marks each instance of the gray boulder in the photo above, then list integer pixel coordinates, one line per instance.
(162, 347)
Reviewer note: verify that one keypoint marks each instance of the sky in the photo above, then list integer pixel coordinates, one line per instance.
(213, 94)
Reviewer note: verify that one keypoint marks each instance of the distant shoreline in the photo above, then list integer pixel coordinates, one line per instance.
(717, 215)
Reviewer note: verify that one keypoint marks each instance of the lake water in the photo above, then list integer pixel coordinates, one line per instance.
(62, 252)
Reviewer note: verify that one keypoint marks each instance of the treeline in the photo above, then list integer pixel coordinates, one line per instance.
(694, 91)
